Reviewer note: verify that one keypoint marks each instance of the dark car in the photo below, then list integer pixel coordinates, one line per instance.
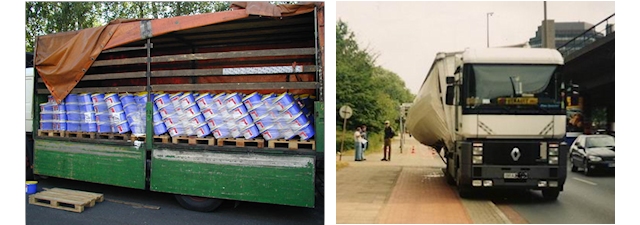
(595, 152)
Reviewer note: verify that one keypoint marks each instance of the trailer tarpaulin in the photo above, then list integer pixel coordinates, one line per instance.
(62, 59)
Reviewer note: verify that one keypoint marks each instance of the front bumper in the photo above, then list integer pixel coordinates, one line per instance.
(602, 165)
(518, 177)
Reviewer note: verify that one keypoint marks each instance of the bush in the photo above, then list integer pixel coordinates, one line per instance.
(348, 140)
(375, 141)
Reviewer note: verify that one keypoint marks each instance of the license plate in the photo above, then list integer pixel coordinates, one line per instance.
(612, 165)
(518, 175)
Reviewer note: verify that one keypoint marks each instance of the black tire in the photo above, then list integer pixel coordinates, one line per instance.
(198, 203)
(465, 192)
(587, 171)
(550, 194)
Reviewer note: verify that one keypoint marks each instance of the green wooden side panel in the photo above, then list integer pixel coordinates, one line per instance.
(319, 119)
(255, 177)
(117, 165)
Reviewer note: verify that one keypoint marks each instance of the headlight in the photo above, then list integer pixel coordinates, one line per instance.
(553, 151)
(542, 183)
(553, 159)
(477, 150)
(477, 159)
(595, 158)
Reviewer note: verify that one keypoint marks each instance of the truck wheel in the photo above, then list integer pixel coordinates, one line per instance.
(198, 203)
(550, 194)
(464, 192)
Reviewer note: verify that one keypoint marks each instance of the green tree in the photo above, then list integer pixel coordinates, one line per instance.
(53, 17)
(374, 93)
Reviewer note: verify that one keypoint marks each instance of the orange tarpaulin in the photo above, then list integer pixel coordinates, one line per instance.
(62, 59)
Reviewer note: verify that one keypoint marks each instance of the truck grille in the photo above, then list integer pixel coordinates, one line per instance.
(501, 153)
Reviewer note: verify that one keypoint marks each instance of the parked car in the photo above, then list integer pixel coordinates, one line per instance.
(593, 152)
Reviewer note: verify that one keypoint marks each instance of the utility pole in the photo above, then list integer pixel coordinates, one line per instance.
(544, 27)
(488, 14)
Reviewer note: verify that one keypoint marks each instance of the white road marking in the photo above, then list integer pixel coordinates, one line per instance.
(585, 181)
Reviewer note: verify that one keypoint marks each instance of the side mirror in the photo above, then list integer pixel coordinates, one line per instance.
(449, 97)
(450, 80)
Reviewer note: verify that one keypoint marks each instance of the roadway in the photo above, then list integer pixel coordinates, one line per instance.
(412, 189)
(132, 206)
(584, 200)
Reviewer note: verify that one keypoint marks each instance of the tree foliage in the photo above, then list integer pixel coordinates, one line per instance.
(53, 17)
(374, 93)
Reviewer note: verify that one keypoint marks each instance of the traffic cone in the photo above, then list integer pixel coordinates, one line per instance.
(413, 149)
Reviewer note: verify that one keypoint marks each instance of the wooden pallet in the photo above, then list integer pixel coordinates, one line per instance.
(51, 133)
(65, 199)
(241, 142)
(292, 144)
(192, 140)
(156, 138)
(81, 135)
(113, 136)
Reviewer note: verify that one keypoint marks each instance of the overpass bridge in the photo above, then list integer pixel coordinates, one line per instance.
(590, 63)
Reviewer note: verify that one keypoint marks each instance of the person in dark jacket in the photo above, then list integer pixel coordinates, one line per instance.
(388, 134)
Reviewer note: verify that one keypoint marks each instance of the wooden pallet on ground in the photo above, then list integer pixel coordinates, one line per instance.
(65, 199)
(156, 138)
(112, 136)
(292, 144)
(51, 133)
(81, 135)
(241, 142)
(192, 140)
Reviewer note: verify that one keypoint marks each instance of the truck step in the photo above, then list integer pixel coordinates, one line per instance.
(112, 136)
(156, 138)
(51, 133)
(65, 199)
(293, 144)
(81, 135)
(192, 140)
(241, 142)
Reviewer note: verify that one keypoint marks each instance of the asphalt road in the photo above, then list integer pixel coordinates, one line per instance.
(585, 200)
(170, 212)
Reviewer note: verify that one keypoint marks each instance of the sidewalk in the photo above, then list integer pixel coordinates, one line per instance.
(408, 189)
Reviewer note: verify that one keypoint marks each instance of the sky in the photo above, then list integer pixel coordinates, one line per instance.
(405, 36)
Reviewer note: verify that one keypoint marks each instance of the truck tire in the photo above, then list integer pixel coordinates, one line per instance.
(464, 192)
(448, 177)
(550, 194)
(199, 204)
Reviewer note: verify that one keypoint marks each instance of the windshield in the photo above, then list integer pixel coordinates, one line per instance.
(601, 141)
(515, 88)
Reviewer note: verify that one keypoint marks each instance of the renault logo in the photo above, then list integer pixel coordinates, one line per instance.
(515, 154)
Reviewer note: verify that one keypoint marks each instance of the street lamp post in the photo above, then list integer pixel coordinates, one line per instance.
(488, 14)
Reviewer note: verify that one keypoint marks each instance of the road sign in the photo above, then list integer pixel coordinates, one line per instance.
(345, 112)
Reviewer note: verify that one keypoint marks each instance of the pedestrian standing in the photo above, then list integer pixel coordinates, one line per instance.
(358, 144)
(365, 137)
(388, 134)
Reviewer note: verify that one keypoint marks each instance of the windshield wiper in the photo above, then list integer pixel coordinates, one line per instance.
(513, 87)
